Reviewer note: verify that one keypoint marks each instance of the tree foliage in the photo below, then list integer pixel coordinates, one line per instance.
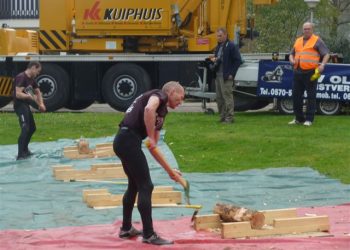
(280, 24)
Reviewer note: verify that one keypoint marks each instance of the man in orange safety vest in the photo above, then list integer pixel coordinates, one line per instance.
(308, 54)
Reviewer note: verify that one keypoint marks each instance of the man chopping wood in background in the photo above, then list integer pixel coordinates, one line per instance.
(145, 117)
(26, 92)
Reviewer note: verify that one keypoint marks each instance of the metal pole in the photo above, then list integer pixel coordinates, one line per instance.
(311, 15)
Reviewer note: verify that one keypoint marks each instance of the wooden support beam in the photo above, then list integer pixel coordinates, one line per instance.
(278, 222)
(203, 222)
(281, 226)
(96, 172)
(104, 145)
(106, 199)
(270, 215)
(87, 192)
(101, 150)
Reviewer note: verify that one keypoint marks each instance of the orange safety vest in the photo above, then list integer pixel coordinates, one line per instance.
(306, 56)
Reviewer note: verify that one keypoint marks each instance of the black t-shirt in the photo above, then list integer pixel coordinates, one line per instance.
(134, 115)
(22, 80)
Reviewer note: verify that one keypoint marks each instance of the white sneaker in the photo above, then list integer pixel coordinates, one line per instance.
(294, 122)
(307, 123)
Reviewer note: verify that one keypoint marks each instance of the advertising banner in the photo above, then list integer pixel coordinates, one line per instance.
(275, 79)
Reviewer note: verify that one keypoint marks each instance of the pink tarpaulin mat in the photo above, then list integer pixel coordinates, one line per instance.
(182, 232)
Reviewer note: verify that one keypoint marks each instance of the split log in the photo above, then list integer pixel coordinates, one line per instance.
(231, 213)
(83, 146)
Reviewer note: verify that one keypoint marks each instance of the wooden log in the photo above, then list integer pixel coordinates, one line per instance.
(231, 213)
(83, 146)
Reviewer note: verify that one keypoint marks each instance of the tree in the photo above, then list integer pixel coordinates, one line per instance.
(279, 25)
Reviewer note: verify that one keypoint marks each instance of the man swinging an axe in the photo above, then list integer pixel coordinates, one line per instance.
(144, 118)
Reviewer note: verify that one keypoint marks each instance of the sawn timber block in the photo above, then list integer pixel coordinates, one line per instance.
(87, 192)
(96, 172)
(101, 150)
(281, 226)
(278, 222)
(102, 198)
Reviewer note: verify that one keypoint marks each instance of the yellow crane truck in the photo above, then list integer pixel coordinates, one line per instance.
(112, 51)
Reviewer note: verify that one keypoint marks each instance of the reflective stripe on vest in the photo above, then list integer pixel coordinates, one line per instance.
(306, 56)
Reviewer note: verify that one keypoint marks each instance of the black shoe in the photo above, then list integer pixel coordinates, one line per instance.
(132, 232)
(154, 239)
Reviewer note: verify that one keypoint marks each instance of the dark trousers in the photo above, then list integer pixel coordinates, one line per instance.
(27, 125)
(127, 146)
(301, 84)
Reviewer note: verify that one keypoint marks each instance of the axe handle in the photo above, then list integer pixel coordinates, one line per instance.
(160, 158)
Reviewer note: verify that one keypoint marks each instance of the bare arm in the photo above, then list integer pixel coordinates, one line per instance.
(39, 99)
(291, 59)
(150, 119)
(323, 63)
(21, 95)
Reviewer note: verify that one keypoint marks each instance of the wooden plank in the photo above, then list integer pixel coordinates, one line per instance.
(316, 223)
(207, 221)
(270, 215)
(104, 153)
(107, 199)
(74, 154)
(282, 226)
(100, 200)
(67, 173)
(110, 173)
(161, 197)
(87, 192)
(106, 165)
(69, 148)
(57, 168)
(104, 145)
(163, 188)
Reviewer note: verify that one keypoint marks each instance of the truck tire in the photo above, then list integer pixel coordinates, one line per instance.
(78, 104)
(54, 86)
(285, 106)
(122, 83)
(4, 100)
(328, 107)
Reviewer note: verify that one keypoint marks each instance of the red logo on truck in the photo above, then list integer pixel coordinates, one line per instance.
(92, 13)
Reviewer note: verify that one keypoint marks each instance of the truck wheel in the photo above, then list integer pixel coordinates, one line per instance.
(4, 100)
(328, 107)
(285, 106)
(54, 86)
(122, 83)
(78, 104)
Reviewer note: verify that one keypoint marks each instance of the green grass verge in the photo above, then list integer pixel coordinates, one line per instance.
(201, 144)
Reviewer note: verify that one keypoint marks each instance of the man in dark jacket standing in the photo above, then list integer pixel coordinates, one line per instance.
(226, 62)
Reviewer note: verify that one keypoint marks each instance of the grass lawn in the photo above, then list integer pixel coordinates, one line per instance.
(201, 144)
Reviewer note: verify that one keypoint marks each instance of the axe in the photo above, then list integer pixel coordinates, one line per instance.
(160, 158)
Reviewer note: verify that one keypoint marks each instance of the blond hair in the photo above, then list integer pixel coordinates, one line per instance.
(172, 85)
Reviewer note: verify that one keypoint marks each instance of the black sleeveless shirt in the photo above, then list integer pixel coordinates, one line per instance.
(134, 115)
